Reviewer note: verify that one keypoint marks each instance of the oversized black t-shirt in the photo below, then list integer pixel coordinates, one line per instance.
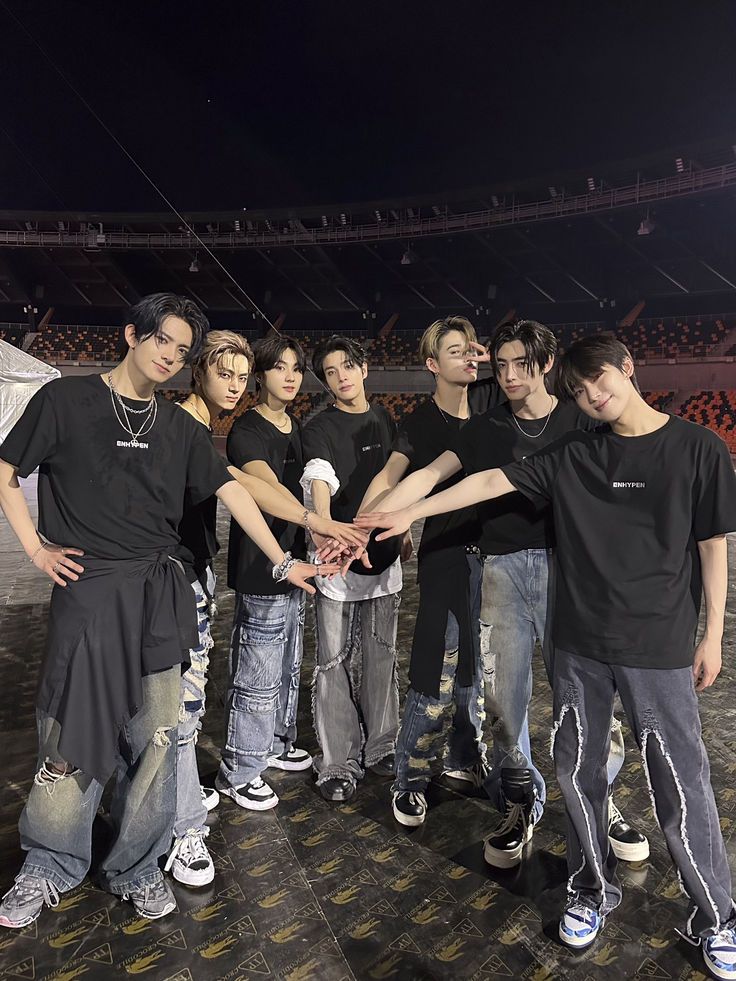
(96, 491)
(629, 512)
(198, 534)
(357, 445)
(484, 394)
(497, 438)
(254, 438)
(424, 435)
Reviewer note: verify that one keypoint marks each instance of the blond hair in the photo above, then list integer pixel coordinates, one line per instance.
(218, 345)
(429, 345)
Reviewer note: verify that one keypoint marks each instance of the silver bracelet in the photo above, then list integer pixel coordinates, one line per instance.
(40, 547)
(281, 571)
(305, 518)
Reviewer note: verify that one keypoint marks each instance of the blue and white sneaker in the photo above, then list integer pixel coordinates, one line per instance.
(580, 925)
(719, 953)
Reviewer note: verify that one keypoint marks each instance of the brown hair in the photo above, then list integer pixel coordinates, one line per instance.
(585, 359)
(429, 345)
(217, 345)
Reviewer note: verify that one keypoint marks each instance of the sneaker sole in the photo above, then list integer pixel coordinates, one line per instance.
(18, 925)
(275, 764)
(194, 879)
(498, 859)
(409, 820)
(575, 944)
(249, 805)
(155, 916)
(627, 852)
(716, 971)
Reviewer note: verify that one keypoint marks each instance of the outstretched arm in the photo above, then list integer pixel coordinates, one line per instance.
(384, 482)
(245, 511)
(714, 570)
(481, 486)
(422, 482)
(48, 557)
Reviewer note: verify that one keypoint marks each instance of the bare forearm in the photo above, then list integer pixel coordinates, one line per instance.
(420, 483)
(244, 509)
(273, 499)
(15, 508)
(479, 487)
(321, 498)
(377, 490)
(714, 570)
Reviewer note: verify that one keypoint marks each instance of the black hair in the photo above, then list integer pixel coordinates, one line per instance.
(147, 317)
(585, 359)
(268, 351)
(538, 341)
(349, 346)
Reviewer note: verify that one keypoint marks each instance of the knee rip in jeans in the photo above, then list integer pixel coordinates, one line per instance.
(650, 729)
(190, 706)
(51, 772)
(161, 738)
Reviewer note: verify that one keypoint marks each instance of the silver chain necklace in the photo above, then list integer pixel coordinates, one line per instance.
(535, 435)
(151, 411)
(442, 413)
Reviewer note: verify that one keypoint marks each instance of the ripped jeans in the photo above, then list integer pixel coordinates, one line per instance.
(56, 824)
(355, 695)
(265, 663)
(662, 708)
(191, 814)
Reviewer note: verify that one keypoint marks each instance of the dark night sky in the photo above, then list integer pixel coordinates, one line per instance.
(282, 102)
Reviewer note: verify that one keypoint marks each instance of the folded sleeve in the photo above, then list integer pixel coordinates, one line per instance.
(33, 439)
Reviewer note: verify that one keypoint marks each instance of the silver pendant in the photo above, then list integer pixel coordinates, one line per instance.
(134, 442)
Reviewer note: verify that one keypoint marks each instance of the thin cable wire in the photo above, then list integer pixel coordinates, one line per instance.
(33, 167)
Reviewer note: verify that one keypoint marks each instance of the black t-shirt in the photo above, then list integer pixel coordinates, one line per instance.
(484, 394)
(424, 435)
(495, 439)
(254, 438)
(198, 534)
(98, 492)
(629, 512)
(357, 445)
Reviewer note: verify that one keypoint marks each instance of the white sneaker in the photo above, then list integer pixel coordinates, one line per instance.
(255, 796)
(579, 926)
(210, 797)
(294, 759)
(189, 860)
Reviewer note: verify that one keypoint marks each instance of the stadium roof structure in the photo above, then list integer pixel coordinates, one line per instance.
(560, 248)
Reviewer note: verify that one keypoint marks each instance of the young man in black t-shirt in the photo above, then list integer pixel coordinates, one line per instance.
(642, 508)
(445, 674)
(115, 462)
(355, 699)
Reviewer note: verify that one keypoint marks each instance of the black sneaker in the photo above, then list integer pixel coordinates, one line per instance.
(410, 808)
(254, 796)
(337, 789)
(384, 767)
(628, 844)
(504, 847)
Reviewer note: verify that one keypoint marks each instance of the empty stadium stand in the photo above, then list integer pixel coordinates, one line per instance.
(12, 335)
(717, 410)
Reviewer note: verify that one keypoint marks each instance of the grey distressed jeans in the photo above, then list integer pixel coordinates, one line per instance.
(662, 708)
(355, 693)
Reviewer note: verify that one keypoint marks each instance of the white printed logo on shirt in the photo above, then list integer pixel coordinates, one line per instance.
(629, 484)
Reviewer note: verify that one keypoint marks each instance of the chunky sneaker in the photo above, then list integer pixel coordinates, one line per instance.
(22, 903)
(337, 789)
(210, 797)
(627, 843)
(152, 900)
(580, 926)
(189, 861)
(384, 767)
(255, 796)
(719, 953)
(294, 759)
(475, 775)
(410, 808)
(504, 847)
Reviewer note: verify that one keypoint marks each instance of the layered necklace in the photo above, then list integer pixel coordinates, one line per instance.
(535, 435)
(124, 412)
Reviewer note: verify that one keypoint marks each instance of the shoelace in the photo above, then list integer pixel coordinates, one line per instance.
(614, 815)
(514, 814)
(583, 913)
(151, 890)
(189, 848)
(29, 887)
(724, 939)
(417, 798)
(257, 784)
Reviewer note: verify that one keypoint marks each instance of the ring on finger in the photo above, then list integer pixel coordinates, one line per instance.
(56, 566)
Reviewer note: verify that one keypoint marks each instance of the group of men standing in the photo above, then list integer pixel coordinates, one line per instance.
(128, 492)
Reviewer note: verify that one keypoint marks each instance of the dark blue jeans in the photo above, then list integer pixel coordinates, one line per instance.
(426, 719)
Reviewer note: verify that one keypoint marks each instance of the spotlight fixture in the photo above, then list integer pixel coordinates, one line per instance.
(378, 215)
(236, 223)
(591, 184)
(324, 221)
(494, 200)
(679, 165)
(409, 257)
(343, 219)
(646, 226)
(552, 191)
(194, 265)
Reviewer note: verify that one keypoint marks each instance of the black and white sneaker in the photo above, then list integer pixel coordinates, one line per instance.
(628, 844)
(410, 808)
(294, 759)
(189, 860)
(503, 849)
(210, 797)
(255, 796)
